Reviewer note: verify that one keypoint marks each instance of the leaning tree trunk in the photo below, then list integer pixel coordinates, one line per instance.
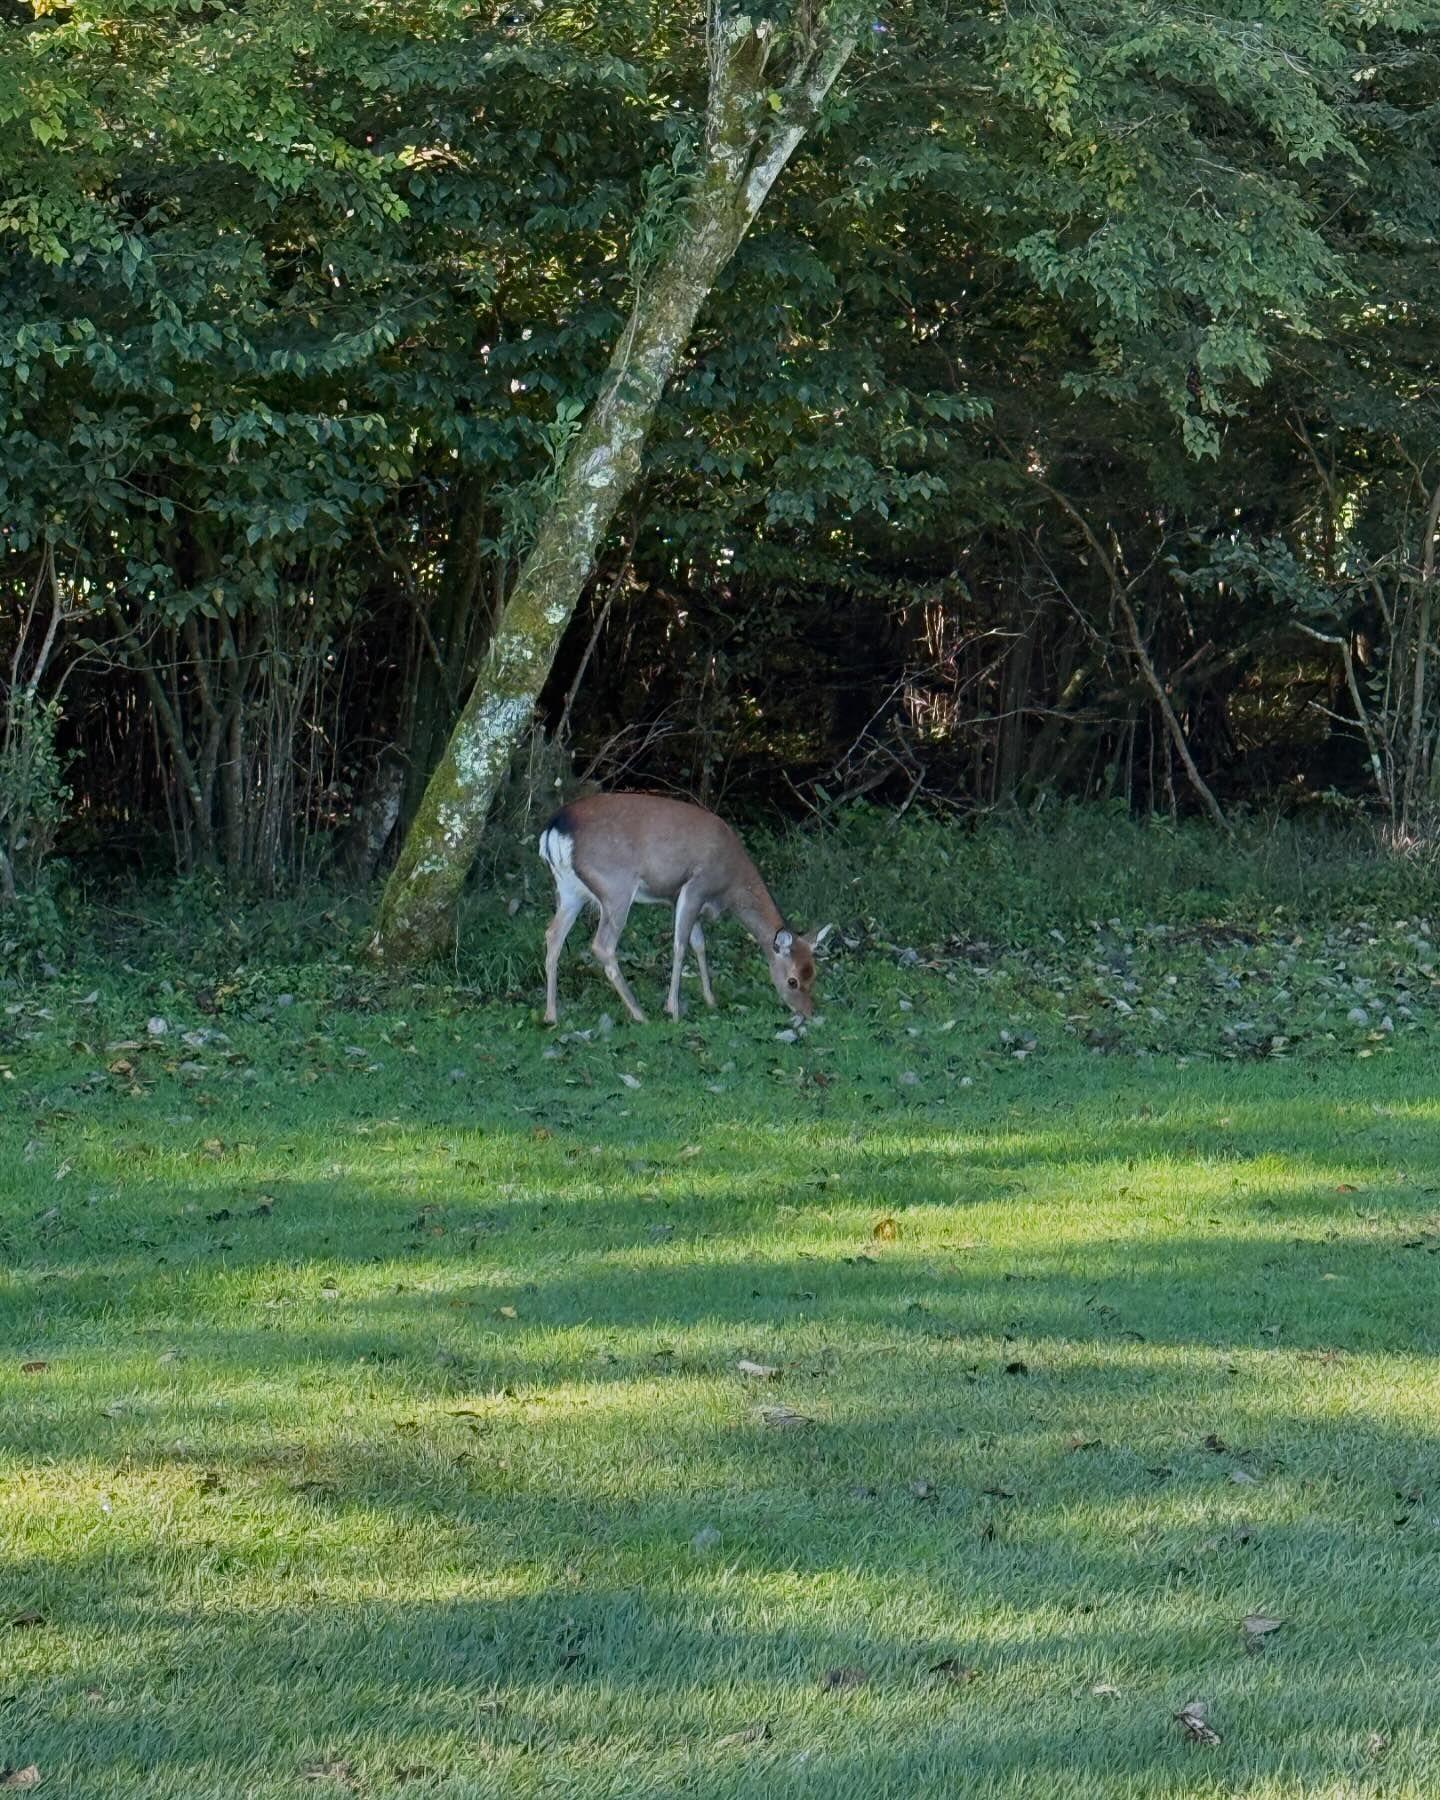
(753, 123)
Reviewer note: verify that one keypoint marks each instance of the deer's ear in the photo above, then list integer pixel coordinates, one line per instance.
(818, 938)
(783, 940)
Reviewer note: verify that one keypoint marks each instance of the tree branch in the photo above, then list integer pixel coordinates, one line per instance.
(1121, 598)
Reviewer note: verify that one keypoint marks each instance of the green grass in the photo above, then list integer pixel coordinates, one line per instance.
(391, 1353)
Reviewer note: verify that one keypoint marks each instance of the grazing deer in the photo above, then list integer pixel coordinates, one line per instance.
(614, 849)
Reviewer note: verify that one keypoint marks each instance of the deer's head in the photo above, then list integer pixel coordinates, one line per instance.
(792, 967)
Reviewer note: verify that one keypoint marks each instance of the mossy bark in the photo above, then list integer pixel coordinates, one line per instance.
(748, 141)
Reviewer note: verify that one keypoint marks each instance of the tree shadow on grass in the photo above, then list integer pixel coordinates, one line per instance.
(937, 1501)
(625, 1685)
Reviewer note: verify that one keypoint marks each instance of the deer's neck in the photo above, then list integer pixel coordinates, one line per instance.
(751, 903)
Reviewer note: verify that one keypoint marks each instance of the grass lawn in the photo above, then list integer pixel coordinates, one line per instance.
(371, 1417)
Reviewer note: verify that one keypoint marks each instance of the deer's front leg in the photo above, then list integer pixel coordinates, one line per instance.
(697, 944)
(687, 913)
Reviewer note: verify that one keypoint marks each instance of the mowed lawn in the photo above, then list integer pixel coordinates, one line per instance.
(372, 1416)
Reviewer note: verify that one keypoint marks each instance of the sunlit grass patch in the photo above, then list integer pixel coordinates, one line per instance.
(394, 1425)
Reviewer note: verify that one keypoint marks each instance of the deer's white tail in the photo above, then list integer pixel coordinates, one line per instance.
(557, 851)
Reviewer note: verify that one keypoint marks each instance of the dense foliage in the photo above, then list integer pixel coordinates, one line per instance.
(1065, 423)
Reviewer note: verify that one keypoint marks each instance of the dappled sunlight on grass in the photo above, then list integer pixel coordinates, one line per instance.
(422, 1442)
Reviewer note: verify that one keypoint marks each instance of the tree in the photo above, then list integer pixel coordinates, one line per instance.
(767, 83)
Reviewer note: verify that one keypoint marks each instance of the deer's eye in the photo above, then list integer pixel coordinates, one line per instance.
(792, 982)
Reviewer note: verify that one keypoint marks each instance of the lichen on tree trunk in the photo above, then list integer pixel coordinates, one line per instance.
(748, 141)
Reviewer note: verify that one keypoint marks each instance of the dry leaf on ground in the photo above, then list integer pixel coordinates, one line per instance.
(1192, 1721)
(955, 1672)
(758, 1733)
(833, 1679)
(330, 1771)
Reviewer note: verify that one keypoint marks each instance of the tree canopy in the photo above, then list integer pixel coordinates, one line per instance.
(1057, 314)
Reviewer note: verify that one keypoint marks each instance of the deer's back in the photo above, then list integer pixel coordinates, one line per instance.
(650, 839)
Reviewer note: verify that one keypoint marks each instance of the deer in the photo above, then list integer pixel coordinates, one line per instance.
(613, 850)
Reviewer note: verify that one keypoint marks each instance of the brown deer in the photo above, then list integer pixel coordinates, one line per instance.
(613, 849)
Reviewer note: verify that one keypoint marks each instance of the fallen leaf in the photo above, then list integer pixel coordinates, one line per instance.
(758, 1733)
(1243, 1478)
(330, 1771)
(887, 1230)
(1376, 1745)
(758, 1371)
(923, 1490)
(25, 1621)
(630, 1081)
(784, 1418)
(705, 1540)
(833, 1679)
(507, 1312)
(28, 1777)
(1192, 1721)
(955, 1672)
(1257, 1625)
(34, 1368)
(1105, 1690)
(1216, 1445)
(1084, 1443)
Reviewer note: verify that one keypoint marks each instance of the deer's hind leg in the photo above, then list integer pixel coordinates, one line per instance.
(614, 911)
(570, 899)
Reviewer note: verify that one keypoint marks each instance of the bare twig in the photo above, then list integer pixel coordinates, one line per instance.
(1120, 595)
(611, 595)
(1362, 715)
